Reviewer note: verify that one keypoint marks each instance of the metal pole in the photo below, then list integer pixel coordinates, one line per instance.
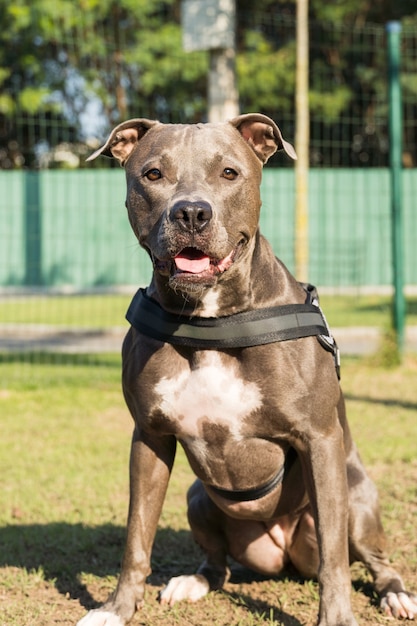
(33, 228)
(302, 143)
(395, 141)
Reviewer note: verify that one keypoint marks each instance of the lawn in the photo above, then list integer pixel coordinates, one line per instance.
(64, 490)
(63, 499)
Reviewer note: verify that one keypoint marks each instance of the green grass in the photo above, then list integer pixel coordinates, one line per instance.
(101, 310)
(104, 311)
(364, 310)
(64, 488)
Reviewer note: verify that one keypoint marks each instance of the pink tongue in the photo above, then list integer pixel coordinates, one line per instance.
(186, 264)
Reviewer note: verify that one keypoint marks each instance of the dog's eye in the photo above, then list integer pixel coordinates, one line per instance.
(229, 173)
(153, 174)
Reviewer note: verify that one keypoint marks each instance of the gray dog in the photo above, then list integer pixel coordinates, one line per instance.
(229, 355)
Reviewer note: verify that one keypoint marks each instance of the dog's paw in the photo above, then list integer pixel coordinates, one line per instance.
(190, 588)
(98, 617)
(401, 605)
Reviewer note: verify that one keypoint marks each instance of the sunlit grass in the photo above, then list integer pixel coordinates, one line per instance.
(64, 451)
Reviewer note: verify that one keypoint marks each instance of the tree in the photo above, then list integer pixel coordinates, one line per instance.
(70, 69)
(80, 66)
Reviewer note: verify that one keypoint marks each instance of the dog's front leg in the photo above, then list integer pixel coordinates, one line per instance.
(151, 461)
(325, 474)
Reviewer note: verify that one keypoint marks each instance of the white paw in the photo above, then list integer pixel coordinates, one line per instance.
(190, 588)
(97, 617)
(400, 605)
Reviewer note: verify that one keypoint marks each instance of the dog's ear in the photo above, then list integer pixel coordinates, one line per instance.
(123, 139)
(263, 135)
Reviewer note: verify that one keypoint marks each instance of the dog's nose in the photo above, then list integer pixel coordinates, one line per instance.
(193, 216)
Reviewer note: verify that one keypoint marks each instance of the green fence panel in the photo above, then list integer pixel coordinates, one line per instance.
(410, 225)
(349, 227)
(67, 229)
(70, 228)
(277, 212)
(12, 235)
(88, 240)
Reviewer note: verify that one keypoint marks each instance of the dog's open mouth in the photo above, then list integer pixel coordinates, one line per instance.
(194, 261)
(192, 268)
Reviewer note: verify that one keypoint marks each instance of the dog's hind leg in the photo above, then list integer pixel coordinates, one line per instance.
(205, 521)
(367, 542)
(259, 546)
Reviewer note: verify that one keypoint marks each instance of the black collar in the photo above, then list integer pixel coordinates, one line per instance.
(241, 330)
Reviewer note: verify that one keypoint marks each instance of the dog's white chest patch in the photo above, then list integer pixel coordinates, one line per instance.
(210, 303)
(211, 392)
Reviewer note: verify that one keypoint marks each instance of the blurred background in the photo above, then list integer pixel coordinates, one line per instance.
(72, 69)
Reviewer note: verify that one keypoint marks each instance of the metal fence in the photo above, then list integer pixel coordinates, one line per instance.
(66, 232)
(103, 70)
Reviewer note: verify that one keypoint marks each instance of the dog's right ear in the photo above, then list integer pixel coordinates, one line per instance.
(123, 139)
(262, 135)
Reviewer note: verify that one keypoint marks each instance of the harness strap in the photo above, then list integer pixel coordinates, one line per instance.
(251, 328)
(327, 341)
(241, 330)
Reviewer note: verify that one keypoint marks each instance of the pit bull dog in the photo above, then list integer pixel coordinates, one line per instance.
(212, 361)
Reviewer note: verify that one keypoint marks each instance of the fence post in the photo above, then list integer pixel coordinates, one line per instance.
(395, 142)
(223, 100)
(302, 136)
(33, 229)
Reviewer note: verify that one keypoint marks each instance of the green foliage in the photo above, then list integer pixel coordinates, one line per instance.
(6, 104)
(76, 67)
(31, 99)
(266, 75)
(330, 104)
(387, 355)
(409, 83)
(339, 11)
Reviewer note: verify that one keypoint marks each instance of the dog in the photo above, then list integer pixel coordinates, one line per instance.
(212, 361)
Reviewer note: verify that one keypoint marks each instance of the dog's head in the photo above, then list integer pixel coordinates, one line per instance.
(193, 192)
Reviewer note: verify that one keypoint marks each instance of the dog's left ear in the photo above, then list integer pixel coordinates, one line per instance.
(123, 139)
(263, 135)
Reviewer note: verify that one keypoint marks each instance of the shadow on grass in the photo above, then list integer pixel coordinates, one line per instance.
(271, 612)
(385, 305)
(64, 551)
(412, 306)
(384, 401)
(261, 609)
(365, 587)
(61, 358)
(290, 575)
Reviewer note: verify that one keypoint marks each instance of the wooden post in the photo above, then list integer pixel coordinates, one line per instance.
(302, 144)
